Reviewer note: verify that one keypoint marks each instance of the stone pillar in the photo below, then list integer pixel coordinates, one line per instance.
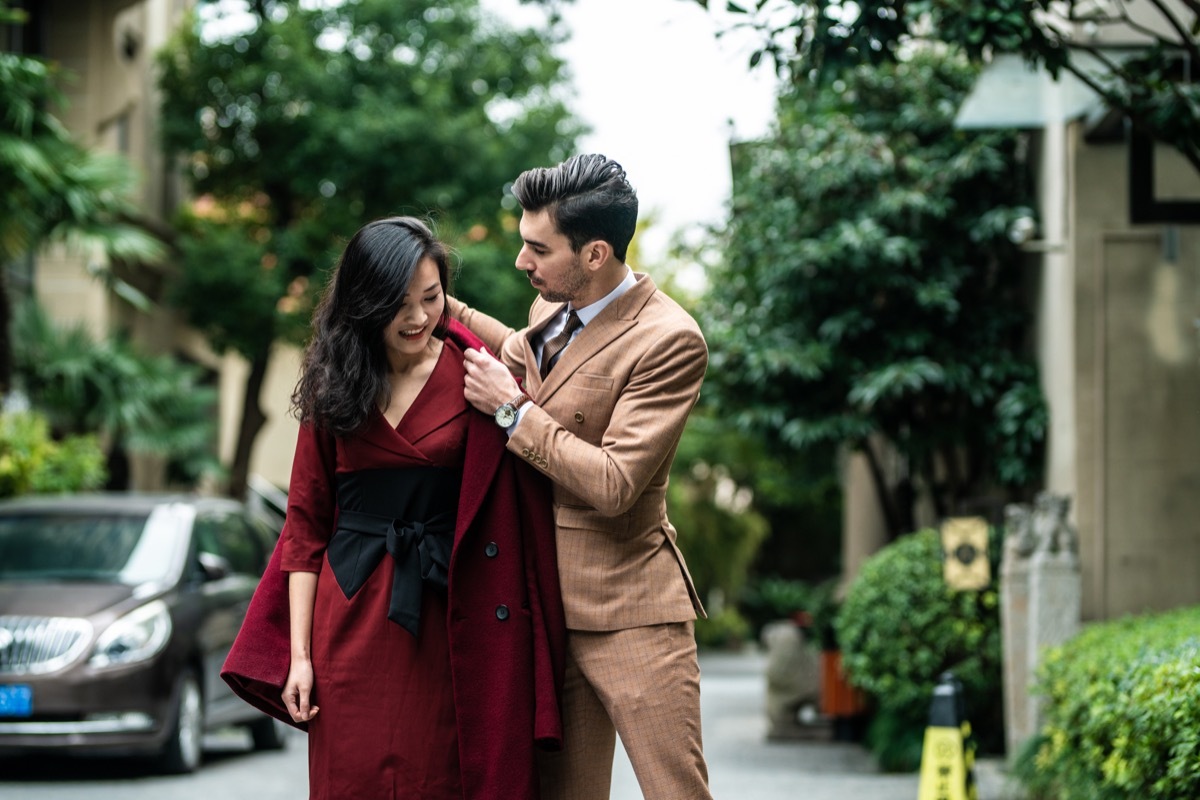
(1014, 624)
(1040, 603)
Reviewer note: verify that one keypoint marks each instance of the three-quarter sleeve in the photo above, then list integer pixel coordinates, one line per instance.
(312, 502)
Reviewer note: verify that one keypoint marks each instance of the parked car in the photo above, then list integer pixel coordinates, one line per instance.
(116, 613)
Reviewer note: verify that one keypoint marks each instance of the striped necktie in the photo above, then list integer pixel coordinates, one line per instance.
(554, 346)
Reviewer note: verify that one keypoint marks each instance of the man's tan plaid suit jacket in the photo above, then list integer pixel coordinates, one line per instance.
(605, 428)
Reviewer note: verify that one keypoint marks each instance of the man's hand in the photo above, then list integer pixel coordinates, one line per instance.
(489, 384)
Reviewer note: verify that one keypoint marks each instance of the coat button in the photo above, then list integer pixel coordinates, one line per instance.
(579, 416)
(491, 550)
(525, 452)
(501, 612)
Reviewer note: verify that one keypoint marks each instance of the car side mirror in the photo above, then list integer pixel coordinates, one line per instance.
(214, 567)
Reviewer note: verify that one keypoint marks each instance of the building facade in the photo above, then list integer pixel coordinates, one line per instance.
(106, 49)
(1115, 263)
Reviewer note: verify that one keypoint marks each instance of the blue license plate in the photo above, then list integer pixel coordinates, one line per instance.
(16, 700)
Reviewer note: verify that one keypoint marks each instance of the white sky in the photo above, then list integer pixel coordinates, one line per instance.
(664, 97)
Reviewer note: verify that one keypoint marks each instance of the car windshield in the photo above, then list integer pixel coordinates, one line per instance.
(129, 548)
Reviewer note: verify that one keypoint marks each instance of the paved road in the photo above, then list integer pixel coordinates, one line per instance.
(742, 763)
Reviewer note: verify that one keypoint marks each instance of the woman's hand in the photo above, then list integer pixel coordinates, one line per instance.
(297, 692)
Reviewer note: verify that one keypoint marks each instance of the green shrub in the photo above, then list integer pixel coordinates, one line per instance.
(73, 464)
(900, 627)
(31, 462)
(1122, 712)
(718, 542)
(724, 629)
(138, 403)
(766, 599)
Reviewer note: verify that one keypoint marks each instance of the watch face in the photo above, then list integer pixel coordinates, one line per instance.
(505, 415)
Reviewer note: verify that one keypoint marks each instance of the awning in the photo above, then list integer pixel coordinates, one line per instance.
(1011, 94)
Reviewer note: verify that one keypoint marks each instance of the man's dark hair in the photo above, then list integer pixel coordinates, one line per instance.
(587, 197)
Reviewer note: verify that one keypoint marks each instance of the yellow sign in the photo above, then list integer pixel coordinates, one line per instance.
(965, 554)
(944, 771)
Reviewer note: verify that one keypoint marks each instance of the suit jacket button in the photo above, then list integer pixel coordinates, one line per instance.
(501, 612)
(491, 550)
(579, 416)
(525, 452)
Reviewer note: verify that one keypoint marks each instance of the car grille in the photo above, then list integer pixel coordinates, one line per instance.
(31, 645)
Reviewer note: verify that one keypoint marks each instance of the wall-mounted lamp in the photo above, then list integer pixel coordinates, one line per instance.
(1021, 232)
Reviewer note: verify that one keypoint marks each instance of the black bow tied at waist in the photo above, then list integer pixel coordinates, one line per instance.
(407, 512)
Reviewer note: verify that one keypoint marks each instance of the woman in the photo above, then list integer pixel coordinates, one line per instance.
(424, 630)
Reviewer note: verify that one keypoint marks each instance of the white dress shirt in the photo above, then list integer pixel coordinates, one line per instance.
(586, 314)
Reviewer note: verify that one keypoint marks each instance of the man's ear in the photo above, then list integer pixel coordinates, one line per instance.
(595, 254)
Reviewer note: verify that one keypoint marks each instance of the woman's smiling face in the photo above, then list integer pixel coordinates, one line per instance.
(409, 332)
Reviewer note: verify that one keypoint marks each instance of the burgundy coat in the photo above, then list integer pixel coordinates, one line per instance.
(500, 672)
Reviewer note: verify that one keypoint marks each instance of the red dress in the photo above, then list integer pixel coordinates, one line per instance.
(389, 700)
(386, 725)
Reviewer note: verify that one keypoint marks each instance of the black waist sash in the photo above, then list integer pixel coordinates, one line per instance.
(408, 512)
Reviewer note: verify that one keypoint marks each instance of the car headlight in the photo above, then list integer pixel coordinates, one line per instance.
(137, 636)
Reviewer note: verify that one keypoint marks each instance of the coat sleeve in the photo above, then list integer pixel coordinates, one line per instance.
(646, 424)
(545, 604)
(312, 502)
(258, 661)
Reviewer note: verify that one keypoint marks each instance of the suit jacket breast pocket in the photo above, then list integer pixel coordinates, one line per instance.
(587, 404)
(590, 381)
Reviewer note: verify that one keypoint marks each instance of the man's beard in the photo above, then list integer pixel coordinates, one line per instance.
(575, 279)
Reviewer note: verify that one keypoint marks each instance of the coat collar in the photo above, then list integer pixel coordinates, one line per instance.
(439, 402)
(485, 446)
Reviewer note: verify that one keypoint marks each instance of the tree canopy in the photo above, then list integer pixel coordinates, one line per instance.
(1136, 54)
(299, 122)
(869, 289)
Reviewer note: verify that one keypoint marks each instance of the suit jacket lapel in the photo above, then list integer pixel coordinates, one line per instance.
(540, 316)
(611, 323)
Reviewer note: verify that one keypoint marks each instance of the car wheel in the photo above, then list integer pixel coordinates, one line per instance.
(183, 751)
(268, 733)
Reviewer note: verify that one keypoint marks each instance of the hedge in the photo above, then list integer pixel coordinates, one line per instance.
(1121, 713)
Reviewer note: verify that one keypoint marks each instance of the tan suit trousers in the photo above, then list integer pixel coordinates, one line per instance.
(644, 684)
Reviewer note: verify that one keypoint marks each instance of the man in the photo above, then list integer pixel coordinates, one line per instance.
(611, 369)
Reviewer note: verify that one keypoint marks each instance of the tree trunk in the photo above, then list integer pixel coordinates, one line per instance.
(252, 422)
(117, 464)
(890, 514)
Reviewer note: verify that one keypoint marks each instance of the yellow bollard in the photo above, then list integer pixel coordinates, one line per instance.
(947, 756)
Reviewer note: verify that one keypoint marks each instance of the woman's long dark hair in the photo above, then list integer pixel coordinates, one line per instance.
(344, 375)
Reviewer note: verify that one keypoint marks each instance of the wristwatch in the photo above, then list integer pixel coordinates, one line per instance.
(506, 414)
